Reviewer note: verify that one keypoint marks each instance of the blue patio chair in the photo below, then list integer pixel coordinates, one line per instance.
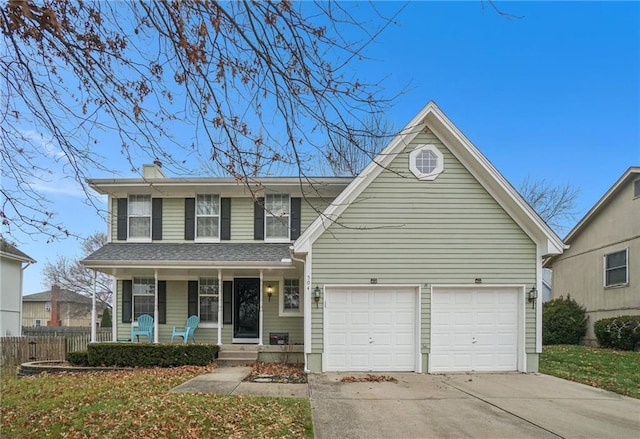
(187, 331)
(145, 327)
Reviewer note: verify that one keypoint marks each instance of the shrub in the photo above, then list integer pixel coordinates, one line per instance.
(563, 321)
(150, 355)
(78, 358)
(106, 319)
(621, 333)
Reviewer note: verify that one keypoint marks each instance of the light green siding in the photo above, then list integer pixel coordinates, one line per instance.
(173, 219)
(274, 323)
(404, 231)
(242, 219)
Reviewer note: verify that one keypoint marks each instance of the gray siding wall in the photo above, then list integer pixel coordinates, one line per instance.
(404, 231)
(579, 271)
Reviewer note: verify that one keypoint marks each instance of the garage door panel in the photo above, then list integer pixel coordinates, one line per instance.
(474, 330)
(378, 330)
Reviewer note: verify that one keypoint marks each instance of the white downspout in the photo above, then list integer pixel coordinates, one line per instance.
(220, 298)
(93, 308)
(306, 286)
(114, 310)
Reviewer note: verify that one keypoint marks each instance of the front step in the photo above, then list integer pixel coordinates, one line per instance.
(227, 357)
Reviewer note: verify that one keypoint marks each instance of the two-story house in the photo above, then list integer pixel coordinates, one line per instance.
(13, 262)
(600, 268)
(427, 261)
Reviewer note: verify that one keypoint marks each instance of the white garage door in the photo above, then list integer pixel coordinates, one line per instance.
(370, 329)
(474, 329)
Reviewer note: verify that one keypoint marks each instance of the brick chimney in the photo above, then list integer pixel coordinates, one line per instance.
(55, 313)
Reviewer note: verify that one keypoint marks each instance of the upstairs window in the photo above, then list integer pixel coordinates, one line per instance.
(207, 217)
(276, 217)
(140, 216)
(616, 268)
(144, 289)
(208, 297)
(636, 188)
(426, 162)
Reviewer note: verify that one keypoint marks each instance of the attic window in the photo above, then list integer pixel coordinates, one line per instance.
(426, 162)
(636, 188)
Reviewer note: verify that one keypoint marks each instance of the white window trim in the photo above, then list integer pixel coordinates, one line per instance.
(129, 216)
(281, 311)
(208, 324)
(636, 184)
(604, 269)
(134, 321)
(413, 155)
(268, 214)
(195, 224)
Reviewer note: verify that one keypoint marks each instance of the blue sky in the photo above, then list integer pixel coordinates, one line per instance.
(553, 95)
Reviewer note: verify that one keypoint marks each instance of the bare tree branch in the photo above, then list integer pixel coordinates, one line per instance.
(554, 203)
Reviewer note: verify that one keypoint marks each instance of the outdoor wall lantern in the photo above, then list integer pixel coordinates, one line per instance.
(316, 295)
(532, 296)
(269, 292)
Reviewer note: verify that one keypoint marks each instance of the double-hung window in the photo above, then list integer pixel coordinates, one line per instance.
(208, 297)
(277, 217)
(207, 217)
(143, 296)
(139, 216)
(616, 268)
(291, 297)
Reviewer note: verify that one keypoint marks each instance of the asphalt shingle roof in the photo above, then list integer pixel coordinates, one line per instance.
(63, 296)
(9, 249)
(191, 252)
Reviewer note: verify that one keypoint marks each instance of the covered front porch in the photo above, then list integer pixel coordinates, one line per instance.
(239, 302)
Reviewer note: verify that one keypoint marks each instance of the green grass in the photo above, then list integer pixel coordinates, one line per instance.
(138, 404)
(617, 371)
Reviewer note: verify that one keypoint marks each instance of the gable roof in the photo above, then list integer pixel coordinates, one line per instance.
(63, 296)
(9, 251)
(630, 174)
(432, 118)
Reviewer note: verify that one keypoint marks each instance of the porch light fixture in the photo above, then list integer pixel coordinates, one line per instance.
(316, 295)
(532, 296)
(269, 292)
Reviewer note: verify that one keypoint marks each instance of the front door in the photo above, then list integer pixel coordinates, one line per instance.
(246, 309)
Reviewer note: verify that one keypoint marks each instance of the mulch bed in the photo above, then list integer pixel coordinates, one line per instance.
(277, 373)
(369, 378)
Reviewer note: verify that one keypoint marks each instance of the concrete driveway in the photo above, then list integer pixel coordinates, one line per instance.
(468, 405)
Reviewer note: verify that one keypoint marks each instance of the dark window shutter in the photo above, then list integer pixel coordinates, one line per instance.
(227, 301)
(189, 219)
(193, 298)
(162, 302)
(156, 219)
(258, 219)
(296, 207)
(225, 219)
(127, 296)
(122, 219)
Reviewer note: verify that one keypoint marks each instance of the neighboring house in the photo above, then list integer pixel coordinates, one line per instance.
(547, 281)
(13, 262)
(58, 307)
(427, 261)
(601, 267)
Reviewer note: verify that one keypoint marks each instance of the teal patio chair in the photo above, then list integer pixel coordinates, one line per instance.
(145, 327)
(187, 331)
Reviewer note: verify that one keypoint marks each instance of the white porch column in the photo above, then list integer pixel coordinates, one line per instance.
(261, 313)
(220, 299)
(307, 288)
(156, 313)
(114, 309)
(93, 308)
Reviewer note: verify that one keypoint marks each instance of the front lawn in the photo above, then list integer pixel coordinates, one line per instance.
(617, 371)
(138, 404)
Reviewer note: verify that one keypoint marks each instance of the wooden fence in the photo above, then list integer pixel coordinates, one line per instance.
(18, 350)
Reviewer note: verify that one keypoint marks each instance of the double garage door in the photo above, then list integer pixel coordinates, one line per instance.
(376, 329)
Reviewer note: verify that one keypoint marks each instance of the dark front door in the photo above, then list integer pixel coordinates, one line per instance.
(246, 307)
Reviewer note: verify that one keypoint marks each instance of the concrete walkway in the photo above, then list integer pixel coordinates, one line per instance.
(229, 381)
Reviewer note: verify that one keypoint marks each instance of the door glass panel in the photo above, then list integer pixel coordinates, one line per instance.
(246, 308)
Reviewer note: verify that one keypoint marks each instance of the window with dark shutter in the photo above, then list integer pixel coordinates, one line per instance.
(189, 219)
(122, 219)
(162, 302)
(225, 219)
(127, 290)
(192, 306)
(296, 207)
(156, 219)
(227, 301)
(258, 219)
